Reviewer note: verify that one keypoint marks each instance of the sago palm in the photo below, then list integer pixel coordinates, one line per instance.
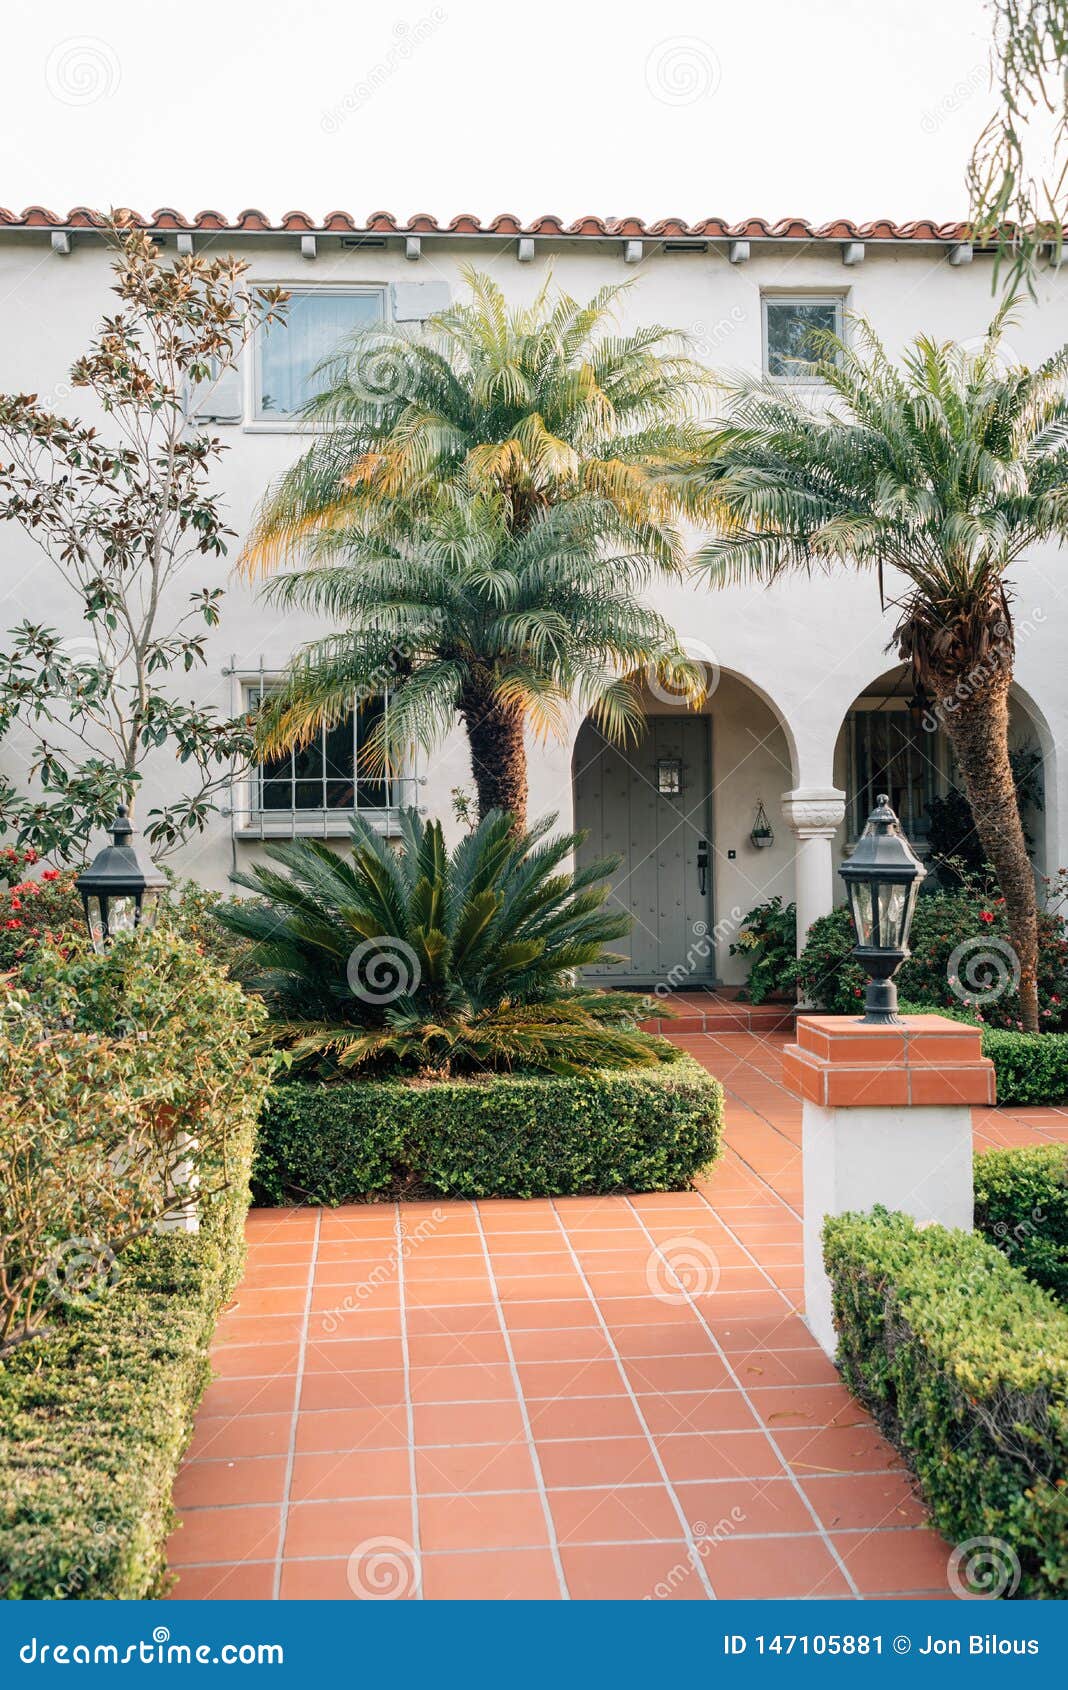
(422, 960)
(529, 407)
(457, 612)
(946, 469)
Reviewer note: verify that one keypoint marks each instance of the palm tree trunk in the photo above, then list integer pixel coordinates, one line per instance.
(495, 733)
(978, 729)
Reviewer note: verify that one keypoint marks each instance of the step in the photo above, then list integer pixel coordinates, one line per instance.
(727, 1018)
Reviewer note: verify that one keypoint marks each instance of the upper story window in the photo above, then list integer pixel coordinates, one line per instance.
(326, 776)
(318, 321)
(789, 322)
(891, 752)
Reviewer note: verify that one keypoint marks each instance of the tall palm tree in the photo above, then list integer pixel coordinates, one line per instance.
(526, 409)
(945, 468)
(444, 602)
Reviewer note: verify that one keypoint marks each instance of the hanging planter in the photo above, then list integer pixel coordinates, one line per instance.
(762, 834)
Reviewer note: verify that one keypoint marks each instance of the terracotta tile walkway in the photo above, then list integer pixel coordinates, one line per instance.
(606, 1397)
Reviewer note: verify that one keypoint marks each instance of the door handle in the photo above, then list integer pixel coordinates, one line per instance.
(702, 867)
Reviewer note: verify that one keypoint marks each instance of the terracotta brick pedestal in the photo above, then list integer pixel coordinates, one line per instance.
(886, 1118)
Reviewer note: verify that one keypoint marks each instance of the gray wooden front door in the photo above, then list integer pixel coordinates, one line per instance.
(664, 879)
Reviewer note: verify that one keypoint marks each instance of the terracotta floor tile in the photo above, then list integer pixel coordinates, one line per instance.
(452, 1348)
(332, 1580)
(356, 1473)
(467, 1423)
(338, 1528)
(598, 1461)
(352, 1428)
(474, 1467)
(551, 1380)
(440, 1321)
(769, 1368)
(632, 1573)
(228, 1437)
(725, 1410)
(238, 1582)
(259, 1329)
(513, 1575)
(571, 1343)
(356, 1388)
(624, 1515)
(770, 1567)
(221, 1484)
(245, 1361)
(882, 1562)
(225, 1534)
(863, 1502)
(270, 1394)
(584, 1417)
(534, 1316)
(652, 1374)
(480, 1521)
(858, 1449)
(807, 1405)
(464, 1382)
(656, 1339)
(744, 1507)
(351, 1355)
(718, 1455)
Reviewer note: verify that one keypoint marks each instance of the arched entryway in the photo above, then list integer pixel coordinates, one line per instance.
(678, 809)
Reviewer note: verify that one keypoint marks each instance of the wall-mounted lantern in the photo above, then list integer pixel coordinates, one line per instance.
(669, 776)
(762, 835)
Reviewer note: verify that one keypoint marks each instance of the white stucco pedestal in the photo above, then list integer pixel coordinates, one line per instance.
(886, 1118)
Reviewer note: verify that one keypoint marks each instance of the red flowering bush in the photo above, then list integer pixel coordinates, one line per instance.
(962, 958)
(33, 910)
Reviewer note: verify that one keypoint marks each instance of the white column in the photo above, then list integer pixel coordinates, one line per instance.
(814, 815)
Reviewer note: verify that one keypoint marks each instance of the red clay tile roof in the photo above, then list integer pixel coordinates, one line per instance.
(384, 223)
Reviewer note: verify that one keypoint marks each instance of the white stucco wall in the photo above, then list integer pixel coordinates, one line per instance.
(804, 650)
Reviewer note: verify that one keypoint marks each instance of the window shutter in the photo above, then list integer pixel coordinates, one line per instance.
(219, 399)
(414, 302)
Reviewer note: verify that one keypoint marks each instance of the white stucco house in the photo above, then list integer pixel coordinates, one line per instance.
(808, 715)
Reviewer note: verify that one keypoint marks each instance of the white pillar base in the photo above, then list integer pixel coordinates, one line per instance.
(814, 815)
(918, 1159)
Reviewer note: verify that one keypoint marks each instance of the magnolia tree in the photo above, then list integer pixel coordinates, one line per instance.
(121, 511)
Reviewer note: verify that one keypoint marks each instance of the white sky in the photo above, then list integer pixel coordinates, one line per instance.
(813, 108)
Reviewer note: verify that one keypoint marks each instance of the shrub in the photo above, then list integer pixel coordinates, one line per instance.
(965, 1365)
(965, 922)
(111, 1067)
(32, 911)
(438, 963)
(498, 1136)
(768, 937)
(1021, 1205)
(94, 1419)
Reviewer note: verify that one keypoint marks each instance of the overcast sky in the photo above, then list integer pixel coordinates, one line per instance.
(813, 108)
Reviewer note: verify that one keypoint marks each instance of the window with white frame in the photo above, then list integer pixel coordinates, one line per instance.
(892, 752)
(329, 775)
(318, 321)
(790, 322)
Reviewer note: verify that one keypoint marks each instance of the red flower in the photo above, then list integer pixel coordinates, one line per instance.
(50, 874)
(10, 924)
(985, 915)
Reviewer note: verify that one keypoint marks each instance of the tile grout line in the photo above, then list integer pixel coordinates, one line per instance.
(539, 1477)
(691, 1544)
(298, 1382)
(409, 1410)
(787, 1469)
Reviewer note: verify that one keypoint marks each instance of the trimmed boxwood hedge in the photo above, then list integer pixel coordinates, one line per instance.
(964, 1363)
(507, 1135)
(94, 1418)
(1021, 1205)
(1031, 1068)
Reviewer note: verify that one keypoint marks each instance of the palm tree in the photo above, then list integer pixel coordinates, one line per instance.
(457, 612)
(525, 410)
(946, 468)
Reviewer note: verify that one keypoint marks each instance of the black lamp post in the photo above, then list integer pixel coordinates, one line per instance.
(119, 891)
(882, 879)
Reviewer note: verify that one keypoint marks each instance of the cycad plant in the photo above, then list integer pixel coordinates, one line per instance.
(938, 473)
(458, 613)
(502, 415)
(426, 961)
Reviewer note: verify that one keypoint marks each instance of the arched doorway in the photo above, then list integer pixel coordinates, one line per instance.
(677, 809)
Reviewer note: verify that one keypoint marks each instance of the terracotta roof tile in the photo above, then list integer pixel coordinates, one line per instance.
(505, 224)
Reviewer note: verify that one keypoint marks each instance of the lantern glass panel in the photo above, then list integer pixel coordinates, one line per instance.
(149, 907)
(860, 898)
(121, 916)
(95, 917)
(892, 904)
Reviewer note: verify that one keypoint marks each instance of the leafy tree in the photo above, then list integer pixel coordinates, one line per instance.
(120, 513)
(432, 962)
(1010, 206)
(456, 446)
(944, 469)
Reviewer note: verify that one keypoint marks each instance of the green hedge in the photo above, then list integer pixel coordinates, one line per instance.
(964, 1363)
(638, 1129)
(1031, 1068)
(1021, 1205)
(94, 1419)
